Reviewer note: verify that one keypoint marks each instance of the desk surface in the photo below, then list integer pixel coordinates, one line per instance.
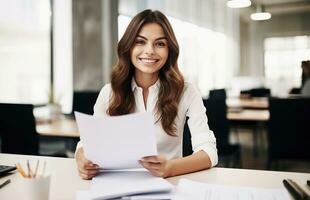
(65, 181)
(62, 127)
(248, 115)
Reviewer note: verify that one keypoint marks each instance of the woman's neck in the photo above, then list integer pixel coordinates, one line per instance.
(145, 80)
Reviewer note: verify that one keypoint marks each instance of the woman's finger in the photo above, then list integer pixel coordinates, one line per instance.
(89, 172)
(86, 176)
(92, 166)
(150, 165)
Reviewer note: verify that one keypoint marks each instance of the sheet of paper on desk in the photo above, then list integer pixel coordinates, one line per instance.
(117, 142)
(188, 189)
(120, 184)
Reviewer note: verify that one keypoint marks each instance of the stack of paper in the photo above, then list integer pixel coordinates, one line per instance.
(120, 184)
(116, 144)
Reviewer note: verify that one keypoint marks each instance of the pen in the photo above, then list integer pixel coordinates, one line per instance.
(5, 183)
(297, 192)
(28, 167)
(36, 170)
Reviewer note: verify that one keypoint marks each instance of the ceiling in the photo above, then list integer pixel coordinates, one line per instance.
(270, 2)
(278, 7)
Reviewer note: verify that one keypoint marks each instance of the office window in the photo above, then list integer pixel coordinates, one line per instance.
(202, 53)
(24, 51)
(283, 56)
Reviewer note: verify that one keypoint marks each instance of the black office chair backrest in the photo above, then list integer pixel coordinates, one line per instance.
(187, 143)
(18, 129)
(295, 91)
(260, 92)
(216, 110)
(217, 94)
(84, 101)
(217, 120)
(289, 129)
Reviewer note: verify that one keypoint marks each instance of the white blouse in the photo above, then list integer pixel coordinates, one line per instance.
(191, 105)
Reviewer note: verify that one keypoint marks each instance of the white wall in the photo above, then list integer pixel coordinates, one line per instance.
(253, 34)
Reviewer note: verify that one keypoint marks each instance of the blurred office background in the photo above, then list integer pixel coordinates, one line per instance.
(50, 50)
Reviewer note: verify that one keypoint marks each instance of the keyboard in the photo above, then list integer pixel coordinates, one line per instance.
(4, 169)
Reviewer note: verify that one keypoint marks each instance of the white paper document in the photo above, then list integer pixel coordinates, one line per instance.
(120, 184)
(117, 142)
(188, 189)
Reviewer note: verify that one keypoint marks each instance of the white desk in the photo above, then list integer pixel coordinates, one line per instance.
(65, 181)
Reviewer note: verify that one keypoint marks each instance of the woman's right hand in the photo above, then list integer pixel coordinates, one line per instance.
(87, 169)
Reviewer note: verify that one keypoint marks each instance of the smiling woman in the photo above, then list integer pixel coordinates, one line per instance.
(147, 78)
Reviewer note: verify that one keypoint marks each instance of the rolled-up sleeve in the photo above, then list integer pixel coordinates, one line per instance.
(201, 136)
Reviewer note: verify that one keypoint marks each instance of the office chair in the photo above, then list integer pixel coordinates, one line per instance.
(218, 123)
(187, 143)
(17, 129)
(84, 101)
(295, 91)
(217, 94)
(288, 130)
(260, 92)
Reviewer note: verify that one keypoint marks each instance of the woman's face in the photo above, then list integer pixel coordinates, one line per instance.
(150, 50)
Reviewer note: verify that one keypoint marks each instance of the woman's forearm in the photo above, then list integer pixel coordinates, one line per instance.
(195, 162)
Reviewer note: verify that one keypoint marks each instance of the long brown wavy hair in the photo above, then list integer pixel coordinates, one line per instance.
(171, 79)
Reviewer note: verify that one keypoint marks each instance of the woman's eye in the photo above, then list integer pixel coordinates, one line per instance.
(160, 44)
(140, 42)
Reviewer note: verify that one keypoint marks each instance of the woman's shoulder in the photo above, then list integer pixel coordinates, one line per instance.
(106, 88)
(190, 92)
(189, 88)
(105, 91)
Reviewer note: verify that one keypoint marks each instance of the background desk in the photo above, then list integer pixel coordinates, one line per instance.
(65, 181)
(62, 127)
(59, 131)
(253, 103)
(248, 115)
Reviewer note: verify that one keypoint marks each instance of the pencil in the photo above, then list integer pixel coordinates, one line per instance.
(30, 175)
(20, 170)
(5, 183)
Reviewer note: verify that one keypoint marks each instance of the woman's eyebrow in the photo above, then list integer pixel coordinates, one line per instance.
(160, 38)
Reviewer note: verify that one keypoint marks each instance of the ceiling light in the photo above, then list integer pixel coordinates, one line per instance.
(260, 14)
(238, 3)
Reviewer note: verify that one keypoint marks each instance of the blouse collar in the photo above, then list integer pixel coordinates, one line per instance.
(134, 85)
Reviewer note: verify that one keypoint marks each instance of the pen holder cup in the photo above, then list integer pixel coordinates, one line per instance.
(36, 188)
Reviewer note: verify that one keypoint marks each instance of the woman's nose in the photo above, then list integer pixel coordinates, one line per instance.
(149, 49)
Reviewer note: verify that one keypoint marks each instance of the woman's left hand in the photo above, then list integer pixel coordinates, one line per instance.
(157, 165)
